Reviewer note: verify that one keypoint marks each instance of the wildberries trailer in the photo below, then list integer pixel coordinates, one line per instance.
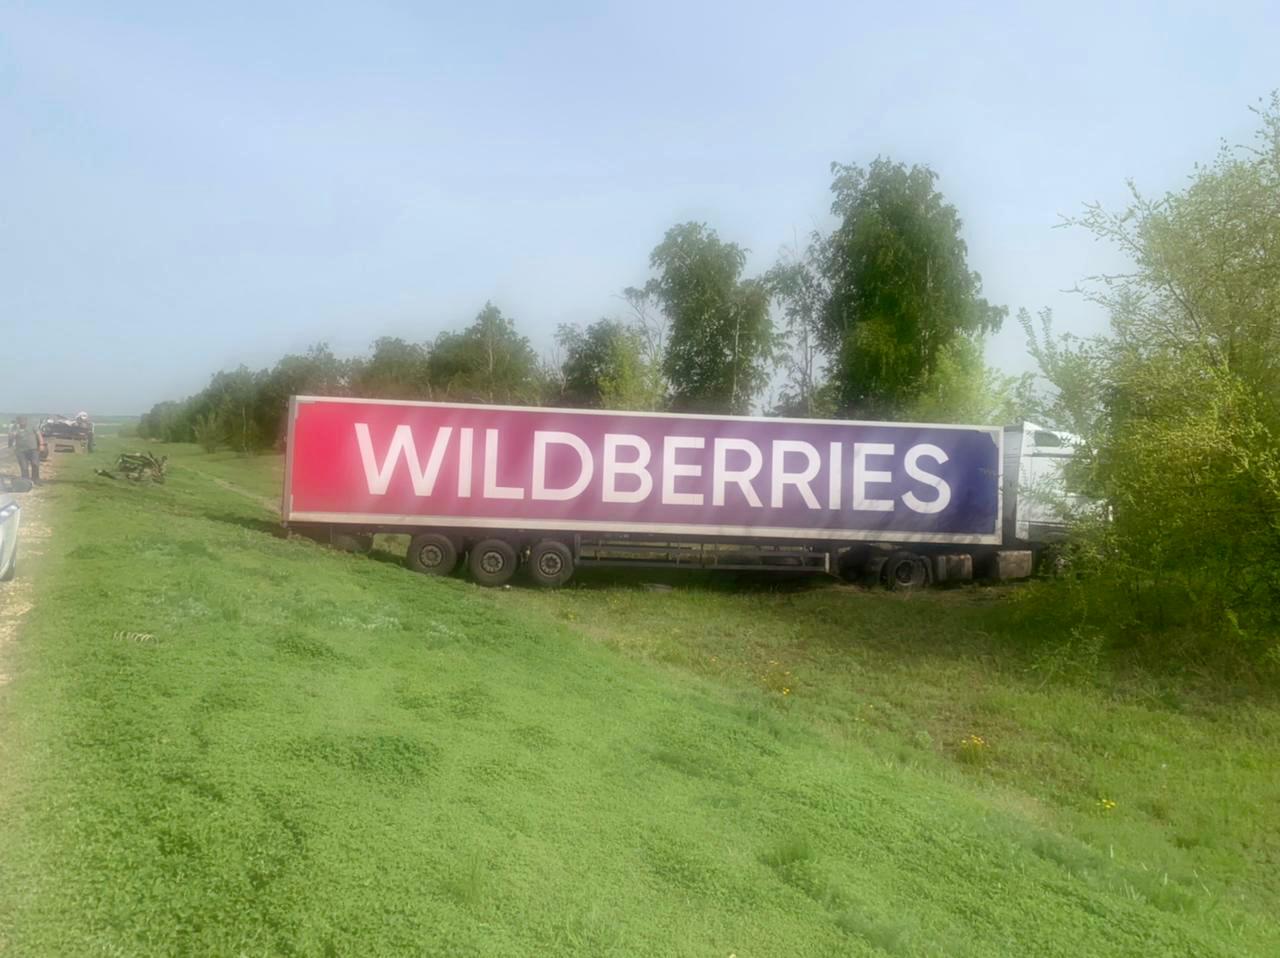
(504, 488)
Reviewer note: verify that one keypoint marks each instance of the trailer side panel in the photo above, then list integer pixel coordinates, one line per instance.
(420, 465)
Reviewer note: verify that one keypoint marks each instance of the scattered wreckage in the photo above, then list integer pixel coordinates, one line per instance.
(137, 466)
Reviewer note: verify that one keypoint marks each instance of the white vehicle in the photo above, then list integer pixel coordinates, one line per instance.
(10, 515)
(1037, 501)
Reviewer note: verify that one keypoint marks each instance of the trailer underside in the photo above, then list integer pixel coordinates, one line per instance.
(550, 558)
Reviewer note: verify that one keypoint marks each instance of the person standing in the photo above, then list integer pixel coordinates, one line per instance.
(28, 444)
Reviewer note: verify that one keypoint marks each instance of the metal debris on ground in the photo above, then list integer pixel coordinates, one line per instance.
(138, 466)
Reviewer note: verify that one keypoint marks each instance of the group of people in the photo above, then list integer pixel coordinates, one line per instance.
(28, 444)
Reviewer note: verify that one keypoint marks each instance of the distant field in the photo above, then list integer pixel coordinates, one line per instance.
(113, 425)
(221, 742)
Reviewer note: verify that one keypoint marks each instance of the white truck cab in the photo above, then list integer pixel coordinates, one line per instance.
(1037, 500)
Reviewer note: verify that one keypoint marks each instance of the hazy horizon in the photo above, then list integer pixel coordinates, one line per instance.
(189, 190)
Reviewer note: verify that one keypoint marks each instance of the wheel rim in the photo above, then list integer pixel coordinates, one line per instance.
(431, 555)
(550, 564)
(905, 573)
(492, 562)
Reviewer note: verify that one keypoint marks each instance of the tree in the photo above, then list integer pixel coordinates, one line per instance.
(964, 389)
(797, 285)
(901, 289)
(605, 367)
(163, 421)
(720, 340)
(1206, 262)
(1179, 405)
(487, 362)
(1076, 369)
(232, 397)
(209, 431)
(395, 370)
(651, 327)
(317, 372)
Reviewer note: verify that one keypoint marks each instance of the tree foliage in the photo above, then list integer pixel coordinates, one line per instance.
(605, 367)
(209, 431)
(651, 328)
(488, 362)
(317, 372)
(699, 337)
(799, 288)
(1179, 404)
(396, 369)
(901, 291)
(964, 389)
(720, 339)
(166, 421)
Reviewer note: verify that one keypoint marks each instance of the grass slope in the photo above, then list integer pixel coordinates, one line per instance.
(220, 742)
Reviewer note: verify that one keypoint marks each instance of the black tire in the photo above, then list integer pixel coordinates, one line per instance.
(492, 562)
(852, 564)
(905, 572)
(432, 554)
(550, 564)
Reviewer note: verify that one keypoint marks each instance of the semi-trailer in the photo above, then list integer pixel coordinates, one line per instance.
(504, 488)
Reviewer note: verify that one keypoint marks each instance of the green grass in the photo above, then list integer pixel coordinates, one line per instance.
(322, 754)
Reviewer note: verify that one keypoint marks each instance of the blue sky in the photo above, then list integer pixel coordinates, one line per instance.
(186, 189)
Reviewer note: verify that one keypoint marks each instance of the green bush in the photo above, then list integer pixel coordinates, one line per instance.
(1179, 410)
(1191, 473)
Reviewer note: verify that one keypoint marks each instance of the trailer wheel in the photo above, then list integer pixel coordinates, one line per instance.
(492, 562)
(432, 554)
(550, 564)
(905, 571)
(852, 564)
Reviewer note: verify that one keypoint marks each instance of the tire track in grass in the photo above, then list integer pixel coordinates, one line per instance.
(271, 505)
